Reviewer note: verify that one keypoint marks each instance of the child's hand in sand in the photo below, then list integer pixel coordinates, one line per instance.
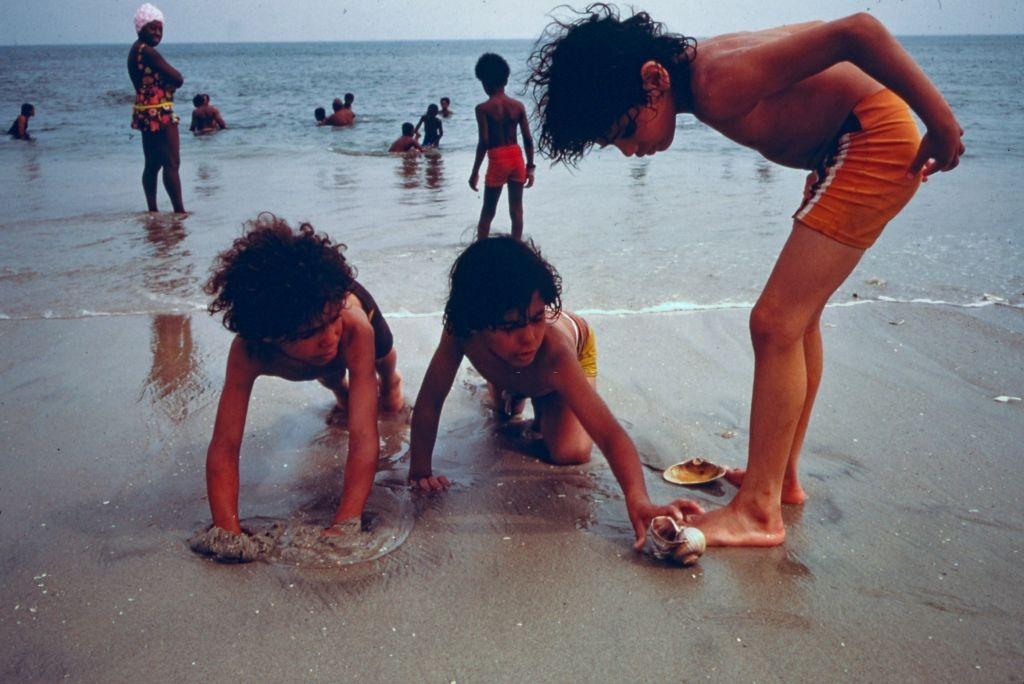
(642, 510)
(430, 483)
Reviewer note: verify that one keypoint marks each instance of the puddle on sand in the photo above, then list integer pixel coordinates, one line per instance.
(300, 540)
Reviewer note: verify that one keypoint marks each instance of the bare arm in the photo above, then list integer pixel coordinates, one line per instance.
(524, 129)
(363, 439)
(222, 454)
(426, 415)
(157, 62)
(481, 147)
(747, 76)
(23, 128)
(618, 449)
(217, 117)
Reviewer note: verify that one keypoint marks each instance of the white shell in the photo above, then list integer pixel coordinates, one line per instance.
(669, 539)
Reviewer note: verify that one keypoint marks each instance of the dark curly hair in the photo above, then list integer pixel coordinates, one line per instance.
(274, 280)
(492, 70)
(585, 75)
(494, 275)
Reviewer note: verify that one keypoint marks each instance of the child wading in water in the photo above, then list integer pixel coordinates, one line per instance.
(504, 314)
(496, 120)
(433, 129)
(829, 97)
(205, 117)
(298, 314)
(19, 129)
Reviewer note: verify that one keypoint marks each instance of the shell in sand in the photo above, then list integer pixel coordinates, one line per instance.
(696, 471)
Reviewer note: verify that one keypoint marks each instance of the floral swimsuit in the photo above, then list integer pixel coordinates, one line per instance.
(154, 100)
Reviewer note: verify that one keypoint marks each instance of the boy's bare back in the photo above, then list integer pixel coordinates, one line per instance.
(502, 115)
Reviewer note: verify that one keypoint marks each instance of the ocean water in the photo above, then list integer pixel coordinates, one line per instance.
(698, 226)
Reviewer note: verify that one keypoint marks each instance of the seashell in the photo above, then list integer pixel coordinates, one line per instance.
(670, 540)
(1004, 399)
(696, 471)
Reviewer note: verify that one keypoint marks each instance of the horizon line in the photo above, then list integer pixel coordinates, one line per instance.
(430, 40)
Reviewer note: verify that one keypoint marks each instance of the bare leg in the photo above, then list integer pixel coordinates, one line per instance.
(491, 197)
(792, 492)
(392, 397)
(809, 269)
(515, 208)
(566, 440)
(151, 151)
(171, 159)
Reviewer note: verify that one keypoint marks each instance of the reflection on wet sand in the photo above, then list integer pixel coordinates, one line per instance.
(435, 171)
(175, 381)
(408, 172)
(206, 185)
(167, 272)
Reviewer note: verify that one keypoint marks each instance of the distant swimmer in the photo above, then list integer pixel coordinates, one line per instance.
(19, 129)
(205, 117)
(340, 117)
(298, 313)
(446, 103)
(319, 114)
(407, 141)
(497, 119)
(153, 113)
(433, 129)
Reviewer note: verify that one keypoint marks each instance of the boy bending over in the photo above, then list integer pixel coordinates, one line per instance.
(504, 313)
(298, 313)
(834, 98)
(496, 120)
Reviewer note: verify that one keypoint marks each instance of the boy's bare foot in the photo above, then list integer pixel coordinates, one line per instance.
(792, 493)
(730, 526)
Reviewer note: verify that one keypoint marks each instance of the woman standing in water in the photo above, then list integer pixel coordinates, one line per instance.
(153, 113)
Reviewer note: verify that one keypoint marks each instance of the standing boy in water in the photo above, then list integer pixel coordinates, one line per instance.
(504, 313)
(829, 97)
(496, 121)
(19, 129)
(433, 129)
(298, 313)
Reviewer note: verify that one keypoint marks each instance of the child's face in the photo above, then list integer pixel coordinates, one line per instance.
(517, 338)
(651, 130)
(317, 344)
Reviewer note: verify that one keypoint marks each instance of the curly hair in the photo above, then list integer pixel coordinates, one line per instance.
(274, 280)
(585, 75)
(492, 70)
(493, 276)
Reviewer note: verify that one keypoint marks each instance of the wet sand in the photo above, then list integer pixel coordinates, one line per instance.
(904, 563)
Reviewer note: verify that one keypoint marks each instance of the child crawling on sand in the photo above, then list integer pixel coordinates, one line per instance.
(504, 312)
(298, 313)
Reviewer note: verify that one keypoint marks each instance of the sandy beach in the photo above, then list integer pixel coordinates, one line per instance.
(903, 565)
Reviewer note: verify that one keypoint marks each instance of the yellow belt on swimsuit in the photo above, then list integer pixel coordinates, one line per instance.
(158, 105)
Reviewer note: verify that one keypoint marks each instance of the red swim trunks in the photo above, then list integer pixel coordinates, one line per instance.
(862, 183)
(505, 164)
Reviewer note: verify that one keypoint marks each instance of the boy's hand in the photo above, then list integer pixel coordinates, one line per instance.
(642, 510)
(529, 177)
(430, 483)
(940, 150)
(474, 179)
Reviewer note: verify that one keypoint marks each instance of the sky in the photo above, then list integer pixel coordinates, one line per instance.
(49, 22)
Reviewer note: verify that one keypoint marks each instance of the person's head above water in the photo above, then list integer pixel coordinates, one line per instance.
(589, 80)
(319, 113)
(408, 128)
(28, 110)
(149, 24)
(496, 276)
(492, 70)
(349, 99)
(445, 101)
(198, 101)
(337, 104)
(275, 283)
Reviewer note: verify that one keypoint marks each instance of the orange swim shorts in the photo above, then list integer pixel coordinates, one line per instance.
(862, 183)
(505, 164)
